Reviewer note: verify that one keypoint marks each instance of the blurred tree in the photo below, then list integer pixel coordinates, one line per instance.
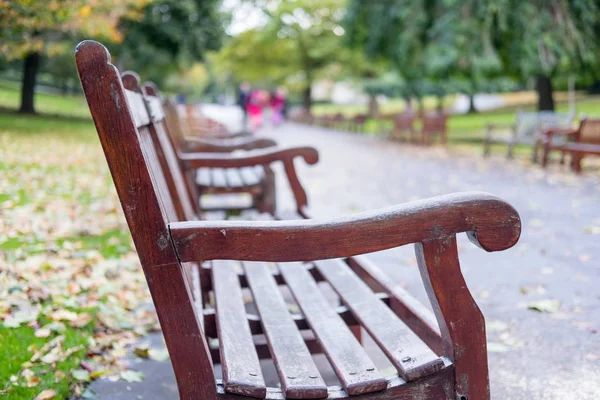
(544, 38)
(476, 40)
(29, 29)
(396, 30)
(299, 40)
(170, 37)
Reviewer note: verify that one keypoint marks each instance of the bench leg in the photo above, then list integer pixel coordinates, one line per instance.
(536, 149)
(545, 155)
(267, 201)
(576, 161)
(510, 154)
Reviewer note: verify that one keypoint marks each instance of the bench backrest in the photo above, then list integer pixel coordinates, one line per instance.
(529, 125)
(589, 131)
(405, 121)
(435, 123)
(124, 128)
(198, 123)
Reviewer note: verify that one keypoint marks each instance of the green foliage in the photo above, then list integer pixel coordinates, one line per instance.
(170, 37)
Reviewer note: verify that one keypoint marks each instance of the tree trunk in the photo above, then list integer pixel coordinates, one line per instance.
(373, 106)
(543, 86)
(472, 108)
(307, 98)
(31, 65)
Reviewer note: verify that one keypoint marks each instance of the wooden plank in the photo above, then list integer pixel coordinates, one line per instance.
(241, 369)
(203, 177)
(413, 358)
(233, 178)
(299, 375)
(354, 368)
(249, 176)
(217, 177)
(410, 310)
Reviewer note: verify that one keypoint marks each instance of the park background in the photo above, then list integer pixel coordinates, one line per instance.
(59, 215)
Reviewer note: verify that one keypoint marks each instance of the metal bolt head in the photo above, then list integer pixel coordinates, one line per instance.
(406, 359)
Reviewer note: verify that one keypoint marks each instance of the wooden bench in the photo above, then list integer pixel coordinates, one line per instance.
(434, 125)
(403, 128)
(197, 272)
(579, 142)
(255, 180)
(526, 130)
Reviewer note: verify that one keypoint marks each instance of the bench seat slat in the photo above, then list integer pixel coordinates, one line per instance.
(203, 177)
(234, 179)
(251, 176)
(297, 371)
(241, 369)
(217, 177)
(409, 354)
(354, 368)
(410, 310)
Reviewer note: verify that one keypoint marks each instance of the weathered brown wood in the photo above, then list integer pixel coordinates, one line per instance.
(241, 370)
(147, 221)
(493, 225)
(406, 351)
(439, 387)
(298, 374)
(354, 368)
(460, 319)
(418, 317)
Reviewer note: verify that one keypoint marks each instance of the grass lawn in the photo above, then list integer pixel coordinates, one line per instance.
(72, 289)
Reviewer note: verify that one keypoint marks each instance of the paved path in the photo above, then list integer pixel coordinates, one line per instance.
(533, 355)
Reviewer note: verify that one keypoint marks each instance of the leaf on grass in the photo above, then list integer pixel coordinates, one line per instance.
(46, 394)
(82, 320)
(548, 306)
(132, 376)
(81, 375)
(43, 333)
(63, 315)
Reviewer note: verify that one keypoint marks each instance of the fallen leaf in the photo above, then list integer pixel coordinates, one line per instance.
(159, 354)
(42, 333)
(46, 394)
(81, 375)
(494, 347)
(132, 376)
(548, 306)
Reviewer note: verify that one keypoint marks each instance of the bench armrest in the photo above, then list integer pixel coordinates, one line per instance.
(259, 157)
(210, 145)
(491, 223)
(250, 158)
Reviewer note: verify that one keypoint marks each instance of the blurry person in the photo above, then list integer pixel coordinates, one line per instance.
(243, 95)
(278, 106)
(254, 107)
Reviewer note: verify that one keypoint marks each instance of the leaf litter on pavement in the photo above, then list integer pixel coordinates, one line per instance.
(67, 269)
